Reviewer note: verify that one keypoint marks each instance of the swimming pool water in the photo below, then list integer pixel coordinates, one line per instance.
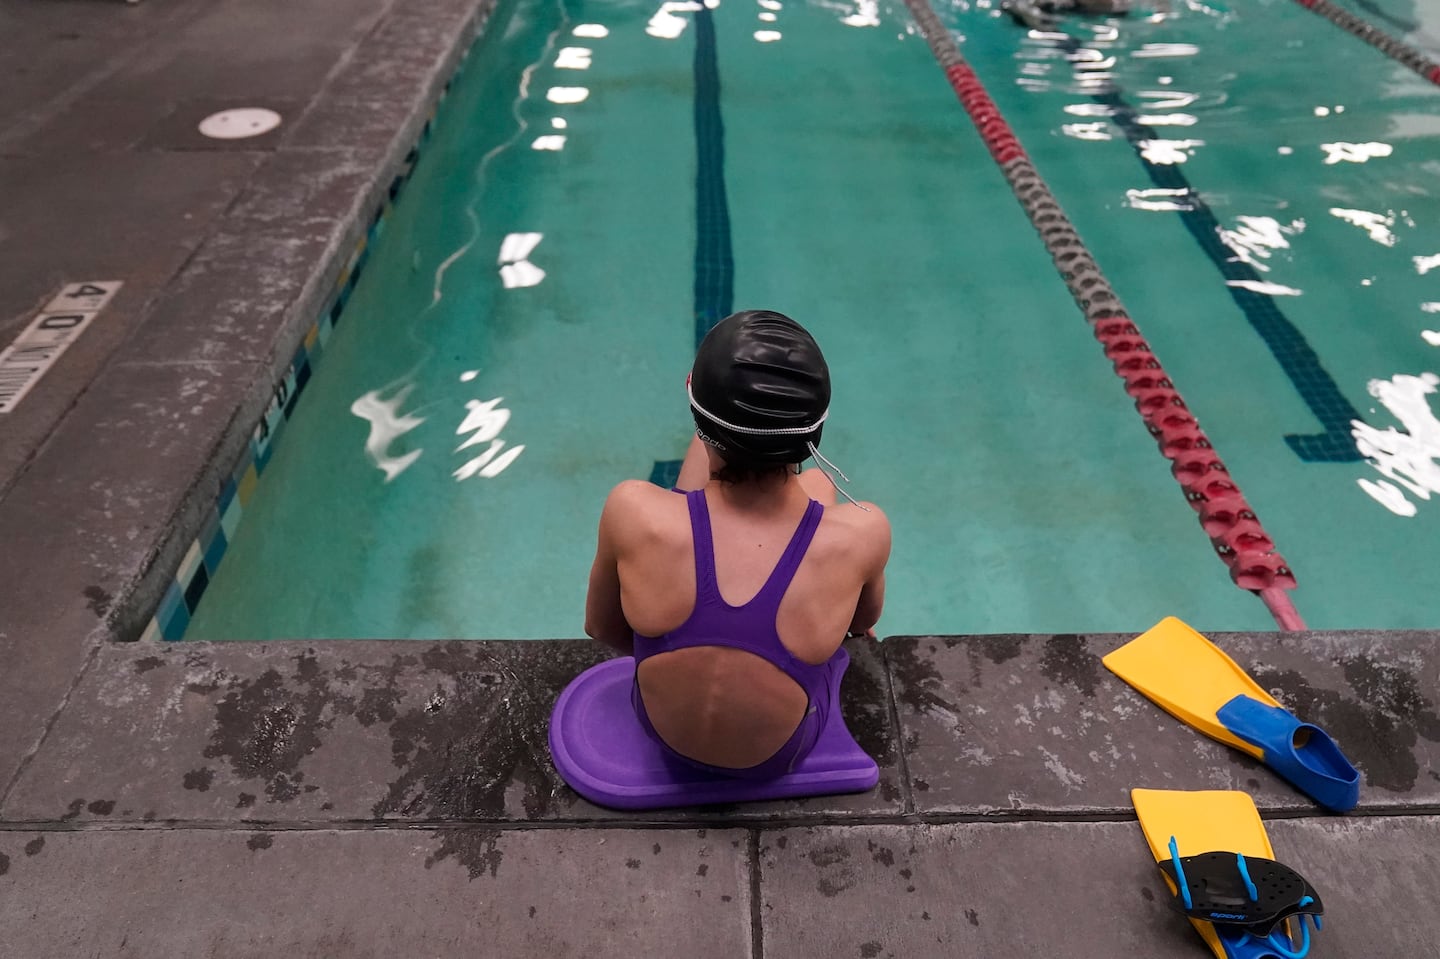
(519, 341)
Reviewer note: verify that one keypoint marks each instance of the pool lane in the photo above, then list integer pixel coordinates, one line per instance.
(969, 403)
(1320, 177)
(1230, 521)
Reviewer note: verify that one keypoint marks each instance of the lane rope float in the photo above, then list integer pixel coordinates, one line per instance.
(1226, 516)
(1396, 50)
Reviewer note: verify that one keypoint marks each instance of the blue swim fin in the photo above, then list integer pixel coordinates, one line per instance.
(1239, 944)
(1301, 752)
(1192, 679)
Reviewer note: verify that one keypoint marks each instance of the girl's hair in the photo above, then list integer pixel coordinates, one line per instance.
(749, 472)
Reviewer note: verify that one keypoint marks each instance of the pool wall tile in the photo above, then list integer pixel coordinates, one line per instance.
(196, 588)
(202, 559)
(189, 563)
(247, 484)
(230, 519)
(172, 617)
(228, 492)
(215, 548)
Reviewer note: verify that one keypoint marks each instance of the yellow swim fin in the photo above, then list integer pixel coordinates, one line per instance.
(1193, 680)
(1201, 822)
(1187, 676)
(1241, 902)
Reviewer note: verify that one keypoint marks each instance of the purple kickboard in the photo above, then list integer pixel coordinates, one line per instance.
(603, 753)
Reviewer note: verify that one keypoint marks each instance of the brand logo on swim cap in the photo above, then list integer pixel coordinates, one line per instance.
(710, 440)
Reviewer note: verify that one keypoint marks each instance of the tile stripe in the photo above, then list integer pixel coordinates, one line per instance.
(714, 264)
(714, 287)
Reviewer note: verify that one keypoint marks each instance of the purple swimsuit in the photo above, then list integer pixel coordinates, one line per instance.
(751, 627)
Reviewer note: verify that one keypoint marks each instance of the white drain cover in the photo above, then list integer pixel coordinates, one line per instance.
(239, 123)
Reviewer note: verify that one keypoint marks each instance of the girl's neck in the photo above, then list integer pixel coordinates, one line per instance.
(777, 493)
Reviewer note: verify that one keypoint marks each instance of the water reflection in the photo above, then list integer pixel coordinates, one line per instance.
(867, 14)
(573, 58)
(1160, 50)
(665, 25)
(520, 276)
(484, 421)
(1086, 58)
(1256, 236)
(1260, 286)
(567, 94)
(1177, 201)
(1086, 131)
(1167, 152)
(1424, 264)
(1354, 152)
(387, 425)
(1169, 99)
(518, 246)
(1409, 461)
(767, 36)
(1165, 119)
(1089, 109)
(516, 270)
(1377, 225)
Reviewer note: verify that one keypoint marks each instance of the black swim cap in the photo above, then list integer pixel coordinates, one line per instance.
(760, 390)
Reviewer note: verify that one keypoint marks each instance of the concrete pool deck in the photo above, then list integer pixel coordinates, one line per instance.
(373, 798)
(369, 798)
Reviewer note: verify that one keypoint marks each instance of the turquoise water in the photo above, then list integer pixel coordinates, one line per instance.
(529, 292)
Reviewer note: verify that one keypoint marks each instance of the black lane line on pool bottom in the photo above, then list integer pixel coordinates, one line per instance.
(714, 263)
(1285, 342)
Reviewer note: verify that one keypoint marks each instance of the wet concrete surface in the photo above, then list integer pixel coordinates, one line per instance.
(327, 894)
(990, 727)
(357, 731)
(227, 779)
(1002, 724)
(1082, 890)
(74, 539)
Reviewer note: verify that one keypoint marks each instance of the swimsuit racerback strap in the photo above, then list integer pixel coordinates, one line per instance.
(774, 589)
(707, 586)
